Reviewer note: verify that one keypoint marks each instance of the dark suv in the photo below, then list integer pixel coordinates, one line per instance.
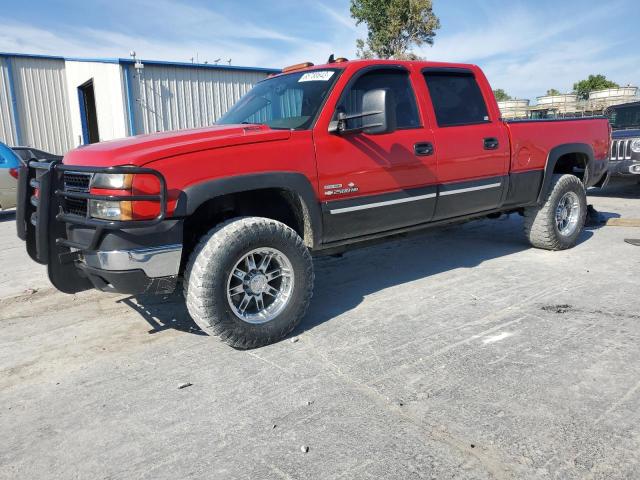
(624, 159)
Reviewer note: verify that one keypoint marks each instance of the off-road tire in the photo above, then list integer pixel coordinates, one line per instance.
(540, 224)
(209, 267)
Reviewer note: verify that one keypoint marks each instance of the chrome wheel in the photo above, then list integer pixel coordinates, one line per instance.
(568, 213)
(260, 284)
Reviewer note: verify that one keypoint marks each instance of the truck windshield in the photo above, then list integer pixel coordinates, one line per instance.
(625, 117)
(284, 102)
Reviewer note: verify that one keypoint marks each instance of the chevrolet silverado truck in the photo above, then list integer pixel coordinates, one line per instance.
(310, 160)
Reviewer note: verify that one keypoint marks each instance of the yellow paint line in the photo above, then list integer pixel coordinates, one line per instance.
(623, 222)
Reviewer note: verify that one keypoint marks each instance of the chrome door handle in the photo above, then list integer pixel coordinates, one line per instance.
(423, 149)
(491, 143)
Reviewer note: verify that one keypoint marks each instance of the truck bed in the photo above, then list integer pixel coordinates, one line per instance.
(532, 140)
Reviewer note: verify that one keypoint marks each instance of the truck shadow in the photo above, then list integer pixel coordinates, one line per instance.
(618, 188)
(164, 312)
(344, 281)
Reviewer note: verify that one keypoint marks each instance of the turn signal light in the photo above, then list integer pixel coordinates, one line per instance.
(124, 185)
(106, 210)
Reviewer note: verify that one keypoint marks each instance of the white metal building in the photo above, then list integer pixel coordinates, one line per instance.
(57, 103)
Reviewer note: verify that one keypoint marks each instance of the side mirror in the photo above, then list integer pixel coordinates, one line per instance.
(378, 115)
(383, 102)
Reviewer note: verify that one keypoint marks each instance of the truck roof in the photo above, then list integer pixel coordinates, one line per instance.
(364, 63)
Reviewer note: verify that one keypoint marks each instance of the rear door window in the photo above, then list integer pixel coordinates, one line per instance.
(457, 98)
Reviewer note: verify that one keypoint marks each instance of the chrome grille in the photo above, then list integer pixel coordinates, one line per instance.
(620, 150)
(76, 182)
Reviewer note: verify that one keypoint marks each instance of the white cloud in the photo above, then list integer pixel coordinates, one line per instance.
(524, 50)
(94, 43)
(176, 31)
(529, 50)
(340, 17)
(180, 20)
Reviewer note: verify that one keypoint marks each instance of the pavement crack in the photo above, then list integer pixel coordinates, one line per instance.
(492, 465)
(616, 404)
(268, 362)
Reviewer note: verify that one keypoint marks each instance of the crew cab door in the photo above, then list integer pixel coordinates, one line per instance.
(471, 143)
(373, 183)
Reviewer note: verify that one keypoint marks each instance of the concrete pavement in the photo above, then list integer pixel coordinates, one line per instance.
(456, 353)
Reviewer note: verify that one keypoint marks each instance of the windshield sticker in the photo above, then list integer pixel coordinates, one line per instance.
(319, 76)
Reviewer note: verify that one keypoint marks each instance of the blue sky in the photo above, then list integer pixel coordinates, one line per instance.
(525, 47)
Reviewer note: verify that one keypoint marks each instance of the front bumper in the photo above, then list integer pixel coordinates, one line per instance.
(140, 270)
(163, 261)
(624, 168)
(139, 256)
(131, 282)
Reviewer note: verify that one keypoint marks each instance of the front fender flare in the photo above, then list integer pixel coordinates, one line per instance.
(193, 196)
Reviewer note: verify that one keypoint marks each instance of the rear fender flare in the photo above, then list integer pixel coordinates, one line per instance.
(554, 155)
(191, 197)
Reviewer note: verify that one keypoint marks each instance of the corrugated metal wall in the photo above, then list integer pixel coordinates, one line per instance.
(7, 128)
(172, 98)
(43, 107)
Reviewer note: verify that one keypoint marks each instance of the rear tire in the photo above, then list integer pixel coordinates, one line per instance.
(558, 222)
(250, 280)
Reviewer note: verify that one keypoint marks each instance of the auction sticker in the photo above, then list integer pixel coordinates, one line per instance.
(319, 76)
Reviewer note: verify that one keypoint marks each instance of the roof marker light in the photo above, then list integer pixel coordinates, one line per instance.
(297, 66)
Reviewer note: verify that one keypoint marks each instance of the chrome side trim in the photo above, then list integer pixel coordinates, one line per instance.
(161, 261)
(470, 189)
(382, 204)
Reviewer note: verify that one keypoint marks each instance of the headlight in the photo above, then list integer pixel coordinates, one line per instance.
(106, 210)
(112, 181)
(635, 145)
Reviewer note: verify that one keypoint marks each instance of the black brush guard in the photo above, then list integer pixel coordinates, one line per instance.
(42, 222)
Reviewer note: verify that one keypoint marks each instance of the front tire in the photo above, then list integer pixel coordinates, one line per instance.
(558, 222)
(250, 279)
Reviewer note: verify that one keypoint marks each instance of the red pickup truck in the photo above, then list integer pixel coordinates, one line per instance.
(311, 159)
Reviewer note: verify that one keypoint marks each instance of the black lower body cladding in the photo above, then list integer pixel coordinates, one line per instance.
(131, 282)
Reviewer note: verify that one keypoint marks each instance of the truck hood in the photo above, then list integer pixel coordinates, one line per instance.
(143, 149)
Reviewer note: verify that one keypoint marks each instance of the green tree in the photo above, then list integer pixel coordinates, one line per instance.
(501, 95)
(594, 82)
(394, 27)
(553, 92)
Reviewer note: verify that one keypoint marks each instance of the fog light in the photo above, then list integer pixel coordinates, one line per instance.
(106, 210)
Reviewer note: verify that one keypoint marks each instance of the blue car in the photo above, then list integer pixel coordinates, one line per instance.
(9, 163)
